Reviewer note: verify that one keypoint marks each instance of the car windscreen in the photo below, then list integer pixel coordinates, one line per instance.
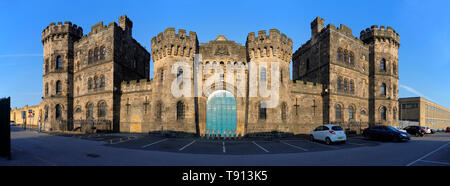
(336, 128)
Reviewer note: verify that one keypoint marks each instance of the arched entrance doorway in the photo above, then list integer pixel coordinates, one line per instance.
(221, 114)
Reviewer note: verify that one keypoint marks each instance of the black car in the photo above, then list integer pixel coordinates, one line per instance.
(415, 130)
(385, 133)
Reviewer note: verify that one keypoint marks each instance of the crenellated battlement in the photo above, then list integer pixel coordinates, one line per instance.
(169, 43)
(272, 45)
(381, 33)
(136, 85)
(61, 30)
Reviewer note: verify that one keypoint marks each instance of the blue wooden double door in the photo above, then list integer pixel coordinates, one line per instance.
(221, 114)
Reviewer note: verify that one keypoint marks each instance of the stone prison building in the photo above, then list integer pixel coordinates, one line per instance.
(100, 81)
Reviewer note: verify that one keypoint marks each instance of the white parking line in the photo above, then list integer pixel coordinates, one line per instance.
(148, 145)
(436, 162)
(260, 146)
(187, 145)
(223, 145)
(426, 155)
(297, 147)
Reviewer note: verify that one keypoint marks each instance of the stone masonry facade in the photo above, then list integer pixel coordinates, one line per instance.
(101, 79)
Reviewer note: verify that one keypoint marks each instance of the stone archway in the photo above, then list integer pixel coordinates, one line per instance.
(221, 114)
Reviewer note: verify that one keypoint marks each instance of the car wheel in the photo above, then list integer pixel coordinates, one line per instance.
(328, 141)
(311, 137)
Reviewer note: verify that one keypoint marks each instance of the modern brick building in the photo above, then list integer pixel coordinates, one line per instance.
(424, 111)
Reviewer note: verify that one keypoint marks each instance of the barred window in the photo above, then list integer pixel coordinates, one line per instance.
(103, 53)
(383, 113)
(383, 90)
(58, 62)
(58, 87)
(263, 75)
(90, 111)
(102, 81)
(58, 111)
(180, 110)
(351, 113)
(90, 84)
(262, 111)
(338, 112)
(383, 65)
(102, 109)
(91, 56)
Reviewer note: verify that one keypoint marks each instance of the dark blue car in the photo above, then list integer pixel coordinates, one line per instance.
(385, 133)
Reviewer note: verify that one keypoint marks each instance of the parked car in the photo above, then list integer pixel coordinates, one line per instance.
(415, 130)
(329, 133)
(400, 129)
(448, 129)
(382, 132)
(12, 123)
(427, 130)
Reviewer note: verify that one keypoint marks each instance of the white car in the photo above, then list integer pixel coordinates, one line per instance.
(329, 133)
(427, 130)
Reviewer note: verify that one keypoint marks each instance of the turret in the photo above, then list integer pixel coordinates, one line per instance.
(274, 45)
(60, 31)
(317, 26)
(171, 44)
(126, 24)
(373, 34)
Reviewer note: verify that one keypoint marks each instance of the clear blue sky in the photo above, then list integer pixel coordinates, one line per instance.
(424, 28)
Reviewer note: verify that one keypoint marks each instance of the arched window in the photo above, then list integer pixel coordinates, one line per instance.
(345, 85)
(351, 113)
(58, 87)
(339, 83)
(383, 90)
(262, 111)
(90, 84)
(90, 111)
(91, 56)
(263, 75)
(58, 112)
(383, 113)
(180, 110)
(102, 81)
(180, 74)
(345, 56)
(283, 111)
(58, 62)
(351, 86)
(96, 82)
(102, 109)
(350, 58)
(96, 54)
(383, 65)
(339, 54)
(103, 51)
(338, 112)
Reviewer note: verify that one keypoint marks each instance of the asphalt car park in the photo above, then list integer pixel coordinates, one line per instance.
(217, 146)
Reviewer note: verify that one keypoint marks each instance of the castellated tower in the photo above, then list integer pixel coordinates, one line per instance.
(384, 43)
(271, 49)
(58, 41)
(167, 49)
